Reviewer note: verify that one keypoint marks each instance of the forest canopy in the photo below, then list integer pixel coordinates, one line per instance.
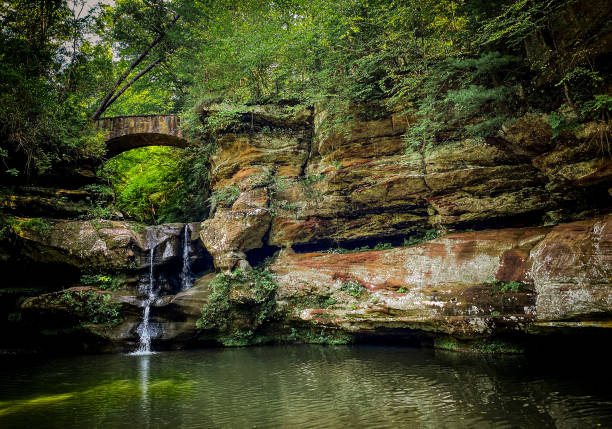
(460, 68)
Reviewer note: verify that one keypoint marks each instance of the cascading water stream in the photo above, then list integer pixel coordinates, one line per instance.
(144, 330)
(186, 271)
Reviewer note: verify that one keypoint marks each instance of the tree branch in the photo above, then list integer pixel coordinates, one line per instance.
(131, 82)
(106, 102)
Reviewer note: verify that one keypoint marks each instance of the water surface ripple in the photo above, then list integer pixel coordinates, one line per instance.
(303, 387)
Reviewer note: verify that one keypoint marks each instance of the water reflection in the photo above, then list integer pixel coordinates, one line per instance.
(310, 386)
(143, 377)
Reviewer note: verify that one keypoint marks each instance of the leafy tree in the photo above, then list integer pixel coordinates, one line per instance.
(49, 73)
(146, 34)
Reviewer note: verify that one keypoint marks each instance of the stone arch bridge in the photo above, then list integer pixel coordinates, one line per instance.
(124, 133)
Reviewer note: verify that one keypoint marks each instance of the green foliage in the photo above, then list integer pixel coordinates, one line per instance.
(430, 234)
(95, 308)
(225, 196)
(36, 225)
(518, 20)
(148, 183)
(7, 226)
(453, 67)
(102, 281)
(222, 120)
(238, 338)
(100, 205)
(329, 302)
(313, 178)
(383, 246)
(353, 288)
(50, 73)
(342, 250)
(280, 184)
(217, 313)
(320, 336)
(498, 346)
(156, 184)
(559, 123)
(598, 108)
(261, 180)
(307, 183)
(459, 99)
(402, 290)
(512, 286)
(313, 301)
(216, 310)
(194, 166)
(283, 205)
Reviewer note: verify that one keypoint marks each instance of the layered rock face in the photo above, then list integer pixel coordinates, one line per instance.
(473, 285)
(524, 247)
(362, 185)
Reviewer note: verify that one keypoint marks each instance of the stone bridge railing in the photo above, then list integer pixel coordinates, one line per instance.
(129, 132)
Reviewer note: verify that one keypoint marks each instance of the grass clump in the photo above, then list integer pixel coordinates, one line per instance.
(353, 288)
(225, 196)
(512, 286)
(102, 281)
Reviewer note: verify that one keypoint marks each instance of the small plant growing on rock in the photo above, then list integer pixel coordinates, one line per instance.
(260, 180)
(102, 281)
(430, 234)
(383, 246)
(307, 183)
(226, 196)
(283, 205)
(512, 286)
(313, 178)
(352, 288)
(95, 308)
(38, 226)
(402, 290)
(217, 312)
(323, 336)
(7, 226)
(280, 184)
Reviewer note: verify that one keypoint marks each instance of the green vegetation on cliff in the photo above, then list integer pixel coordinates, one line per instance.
(92, 307)
(239, 303)
(457, 68)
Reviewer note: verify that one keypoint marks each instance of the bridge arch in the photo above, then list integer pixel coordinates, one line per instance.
(124, 133)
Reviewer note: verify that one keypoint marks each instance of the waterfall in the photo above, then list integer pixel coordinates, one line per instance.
(186, 271)
(144, 329)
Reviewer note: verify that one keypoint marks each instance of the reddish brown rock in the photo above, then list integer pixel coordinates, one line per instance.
(452, 285)
(360, 183)
(572, 271)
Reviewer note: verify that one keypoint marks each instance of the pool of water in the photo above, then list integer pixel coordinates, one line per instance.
(304, 387)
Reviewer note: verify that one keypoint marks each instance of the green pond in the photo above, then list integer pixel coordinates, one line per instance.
(304, 387)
